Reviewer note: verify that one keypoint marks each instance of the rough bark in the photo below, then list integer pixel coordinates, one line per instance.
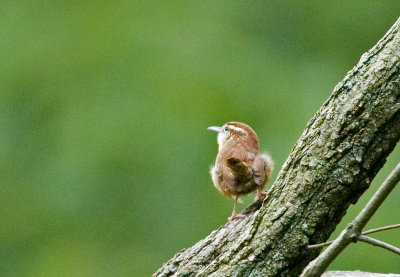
(352, 232)
(341, 150)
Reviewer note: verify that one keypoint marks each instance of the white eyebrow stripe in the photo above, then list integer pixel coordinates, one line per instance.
(238, 129)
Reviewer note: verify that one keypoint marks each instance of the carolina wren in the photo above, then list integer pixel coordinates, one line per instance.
(240, 169)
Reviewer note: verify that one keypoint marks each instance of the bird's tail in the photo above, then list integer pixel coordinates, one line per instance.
(239, 169)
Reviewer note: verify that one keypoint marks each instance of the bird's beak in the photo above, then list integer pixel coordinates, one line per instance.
(214, 128)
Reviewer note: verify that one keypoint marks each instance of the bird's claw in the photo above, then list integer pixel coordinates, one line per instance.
(261, 195)
(236, 216)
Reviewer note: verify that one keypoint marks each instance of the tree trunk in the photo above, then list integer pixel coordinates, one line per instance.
(339, 153)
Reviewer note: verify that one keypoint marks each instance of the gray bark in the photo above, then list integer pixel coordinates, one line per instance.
(352, 232)
(341, 150)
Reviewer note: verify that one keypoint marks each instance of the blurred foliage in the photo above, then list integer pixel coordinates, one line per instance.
(103, 115)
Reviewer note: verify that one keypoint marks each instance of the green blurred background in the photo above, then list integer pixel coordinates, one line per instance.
(104, 152)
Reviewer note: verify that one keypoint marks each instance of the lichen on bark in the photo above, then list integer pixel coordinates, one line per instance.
(341, 150)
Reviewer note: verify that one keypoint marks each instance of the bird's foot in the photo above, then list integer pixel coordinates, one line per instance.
(236, 216)
(261, 195)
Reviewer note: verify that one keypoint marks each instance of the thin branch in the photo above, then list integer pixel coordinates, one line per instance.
(374, 203)
(381, 229)
(319, 245)
(353, 230)
(379, 243)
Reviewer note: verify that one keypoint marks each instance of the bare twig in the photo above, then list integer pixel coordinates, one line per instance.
(381, 229)
(319, 245)
(380, 195)
(379, 243)
(353, 230)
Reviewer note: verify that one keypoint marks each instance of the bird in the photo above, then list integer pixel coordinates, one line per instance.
(240, 168)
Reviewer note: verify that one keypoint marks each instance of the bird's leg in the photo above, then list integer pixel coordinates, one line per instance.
(234, 214)
(261, 195)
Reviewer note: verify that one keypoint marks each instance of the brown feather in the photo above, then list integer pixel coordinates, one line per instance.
(239, 167)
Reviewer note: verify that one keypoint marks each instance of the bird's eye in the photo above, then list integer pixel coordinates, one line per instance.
(226, 129)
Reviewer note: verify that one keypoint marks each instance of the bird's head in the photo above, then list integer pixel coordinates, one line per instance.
(235, 131)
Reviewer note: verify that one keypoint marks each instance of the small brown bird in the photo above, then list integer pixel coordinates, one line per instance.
(240, 169)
